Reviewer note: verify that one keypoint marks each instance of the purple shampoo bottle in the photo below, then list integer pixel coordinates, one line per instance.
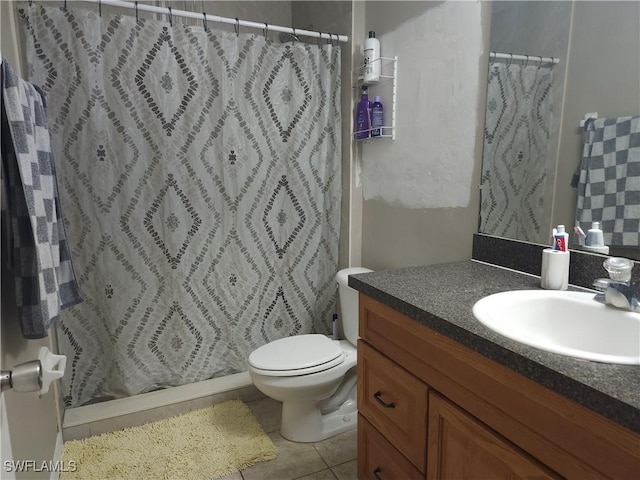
(363, 116)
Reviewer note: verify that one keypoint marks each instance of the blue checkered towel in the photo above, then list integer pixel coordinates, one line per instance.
(608, 179)
(33, 235)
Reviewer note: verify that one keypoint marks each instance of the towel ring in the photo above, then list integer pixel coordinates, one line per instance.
(237, 27)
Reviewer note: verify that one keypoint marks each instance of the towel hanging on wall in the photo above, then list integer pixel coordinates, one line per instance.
(608, 179)
(33, 234)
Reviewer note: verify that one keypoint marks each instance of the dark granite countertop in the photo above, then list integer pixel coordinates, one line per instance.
(442, 296)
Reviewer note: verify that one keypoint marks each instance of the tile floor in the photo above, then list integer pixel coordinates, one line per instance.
(331, 459)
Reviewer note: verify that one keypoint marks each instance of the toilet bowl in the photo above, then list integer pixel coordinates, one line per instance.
(313, 375)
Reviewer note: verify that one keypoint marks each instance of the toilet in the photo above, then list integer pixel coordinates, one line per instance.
(312, 375)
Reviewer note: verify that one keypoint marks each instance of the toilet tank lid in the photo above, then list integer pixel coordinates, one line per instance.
(343, 275)
(295, 353)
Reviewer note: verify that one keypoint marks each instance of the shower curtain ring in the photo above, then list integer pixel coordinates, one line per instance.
(540, 63)
(237, 27)
(170, 15)
(100, 7)
(510, 60)
(266, 30)
(295, 37)
(526, 62)
(319, 39)
(204, 21)
(136, 7)
(64, 7)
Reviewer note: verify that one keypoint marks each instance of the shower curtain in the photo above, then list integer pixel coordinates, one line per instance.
(516, 151)
(201, 178)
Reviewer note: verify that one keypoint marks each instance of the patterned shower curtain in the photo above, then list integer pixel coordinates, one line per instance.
(200, 175)
(516, 151)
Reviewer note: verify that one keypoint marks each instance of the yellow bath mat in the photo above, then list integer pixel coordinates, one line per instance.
(203, 444)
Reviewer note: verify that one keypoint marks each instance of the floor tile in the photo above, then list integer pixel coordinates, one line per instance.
(322, 475)
(346, 471)
(268, 412)
(339, 449)
(294, 460)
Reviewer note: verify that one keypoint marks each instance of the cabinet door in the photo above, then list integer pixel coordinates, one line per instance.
(460, 447)
(378, 459)
(395, 402)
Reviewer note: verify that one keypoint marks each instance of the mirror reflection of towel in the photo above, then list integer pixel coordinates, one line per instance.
(608, 179)
(33, 235)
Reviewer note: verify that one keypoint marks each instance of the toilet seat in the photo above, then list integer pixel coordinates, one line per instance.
(297, 355)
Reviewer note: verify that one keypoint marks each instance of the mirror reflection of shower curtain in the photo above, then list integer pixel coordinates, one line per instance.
(201, 172)
(516, 151)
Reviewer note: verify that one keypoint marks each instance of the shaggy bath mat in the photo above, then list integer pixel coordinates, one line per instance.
(203, 444)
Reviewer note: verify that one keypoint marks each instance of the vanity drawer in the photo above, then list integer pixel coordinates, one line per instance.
(378, 459)
(395, 402)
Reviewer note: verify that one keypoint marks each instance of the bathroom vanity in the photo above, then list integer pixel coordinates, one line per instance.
(441, 396)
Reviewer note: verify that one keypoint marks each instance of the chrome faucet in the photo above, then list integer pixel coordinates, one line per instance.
(618, 290)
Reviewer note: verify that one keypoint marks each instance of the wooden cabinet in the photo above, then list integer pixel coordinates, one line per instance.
(395, 402)
(461, 447)
(432, 408)
(378, 459)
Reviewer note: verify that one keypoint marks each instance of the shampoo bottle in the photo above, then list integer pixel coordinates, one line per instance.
(377, 118)
(363, 116)
(372, 59)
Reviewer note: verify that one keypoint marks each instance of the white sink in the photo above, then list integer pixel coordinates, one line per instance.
(568, 323)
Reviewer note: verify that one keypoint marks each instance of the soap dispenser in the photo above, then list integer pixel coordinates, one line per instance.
(594, 241)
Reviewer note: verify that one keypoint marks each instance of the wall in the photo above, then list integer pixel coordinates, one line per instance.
(421, 196)
(603, 76)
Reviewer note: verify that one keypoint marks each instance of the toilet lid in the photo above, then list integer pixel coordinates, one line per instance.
(300, 354)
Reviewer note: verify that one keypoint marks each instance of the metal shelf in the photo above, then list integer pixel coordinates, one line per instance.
(388, 80)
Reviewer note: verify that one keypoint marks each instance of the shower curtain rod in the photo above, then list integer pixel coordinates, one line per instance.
(533, 58)
(207, 17)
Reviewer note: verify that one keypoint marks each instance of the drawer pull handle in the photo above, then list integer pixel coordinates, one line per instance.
(376, 472)
(382, 402)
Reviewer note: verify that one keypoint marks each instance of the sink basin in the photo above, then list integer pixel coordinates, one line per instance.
(568, 323)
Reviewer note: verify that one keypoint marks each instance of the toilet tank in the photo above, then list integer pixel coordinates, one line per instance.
(349, 302)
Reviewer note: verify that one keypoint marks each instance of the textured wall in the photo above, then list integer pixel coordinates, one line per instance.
(421, 197)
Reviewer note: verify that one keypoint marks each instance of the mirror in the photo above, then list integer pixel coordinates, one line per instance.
(531, 154)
